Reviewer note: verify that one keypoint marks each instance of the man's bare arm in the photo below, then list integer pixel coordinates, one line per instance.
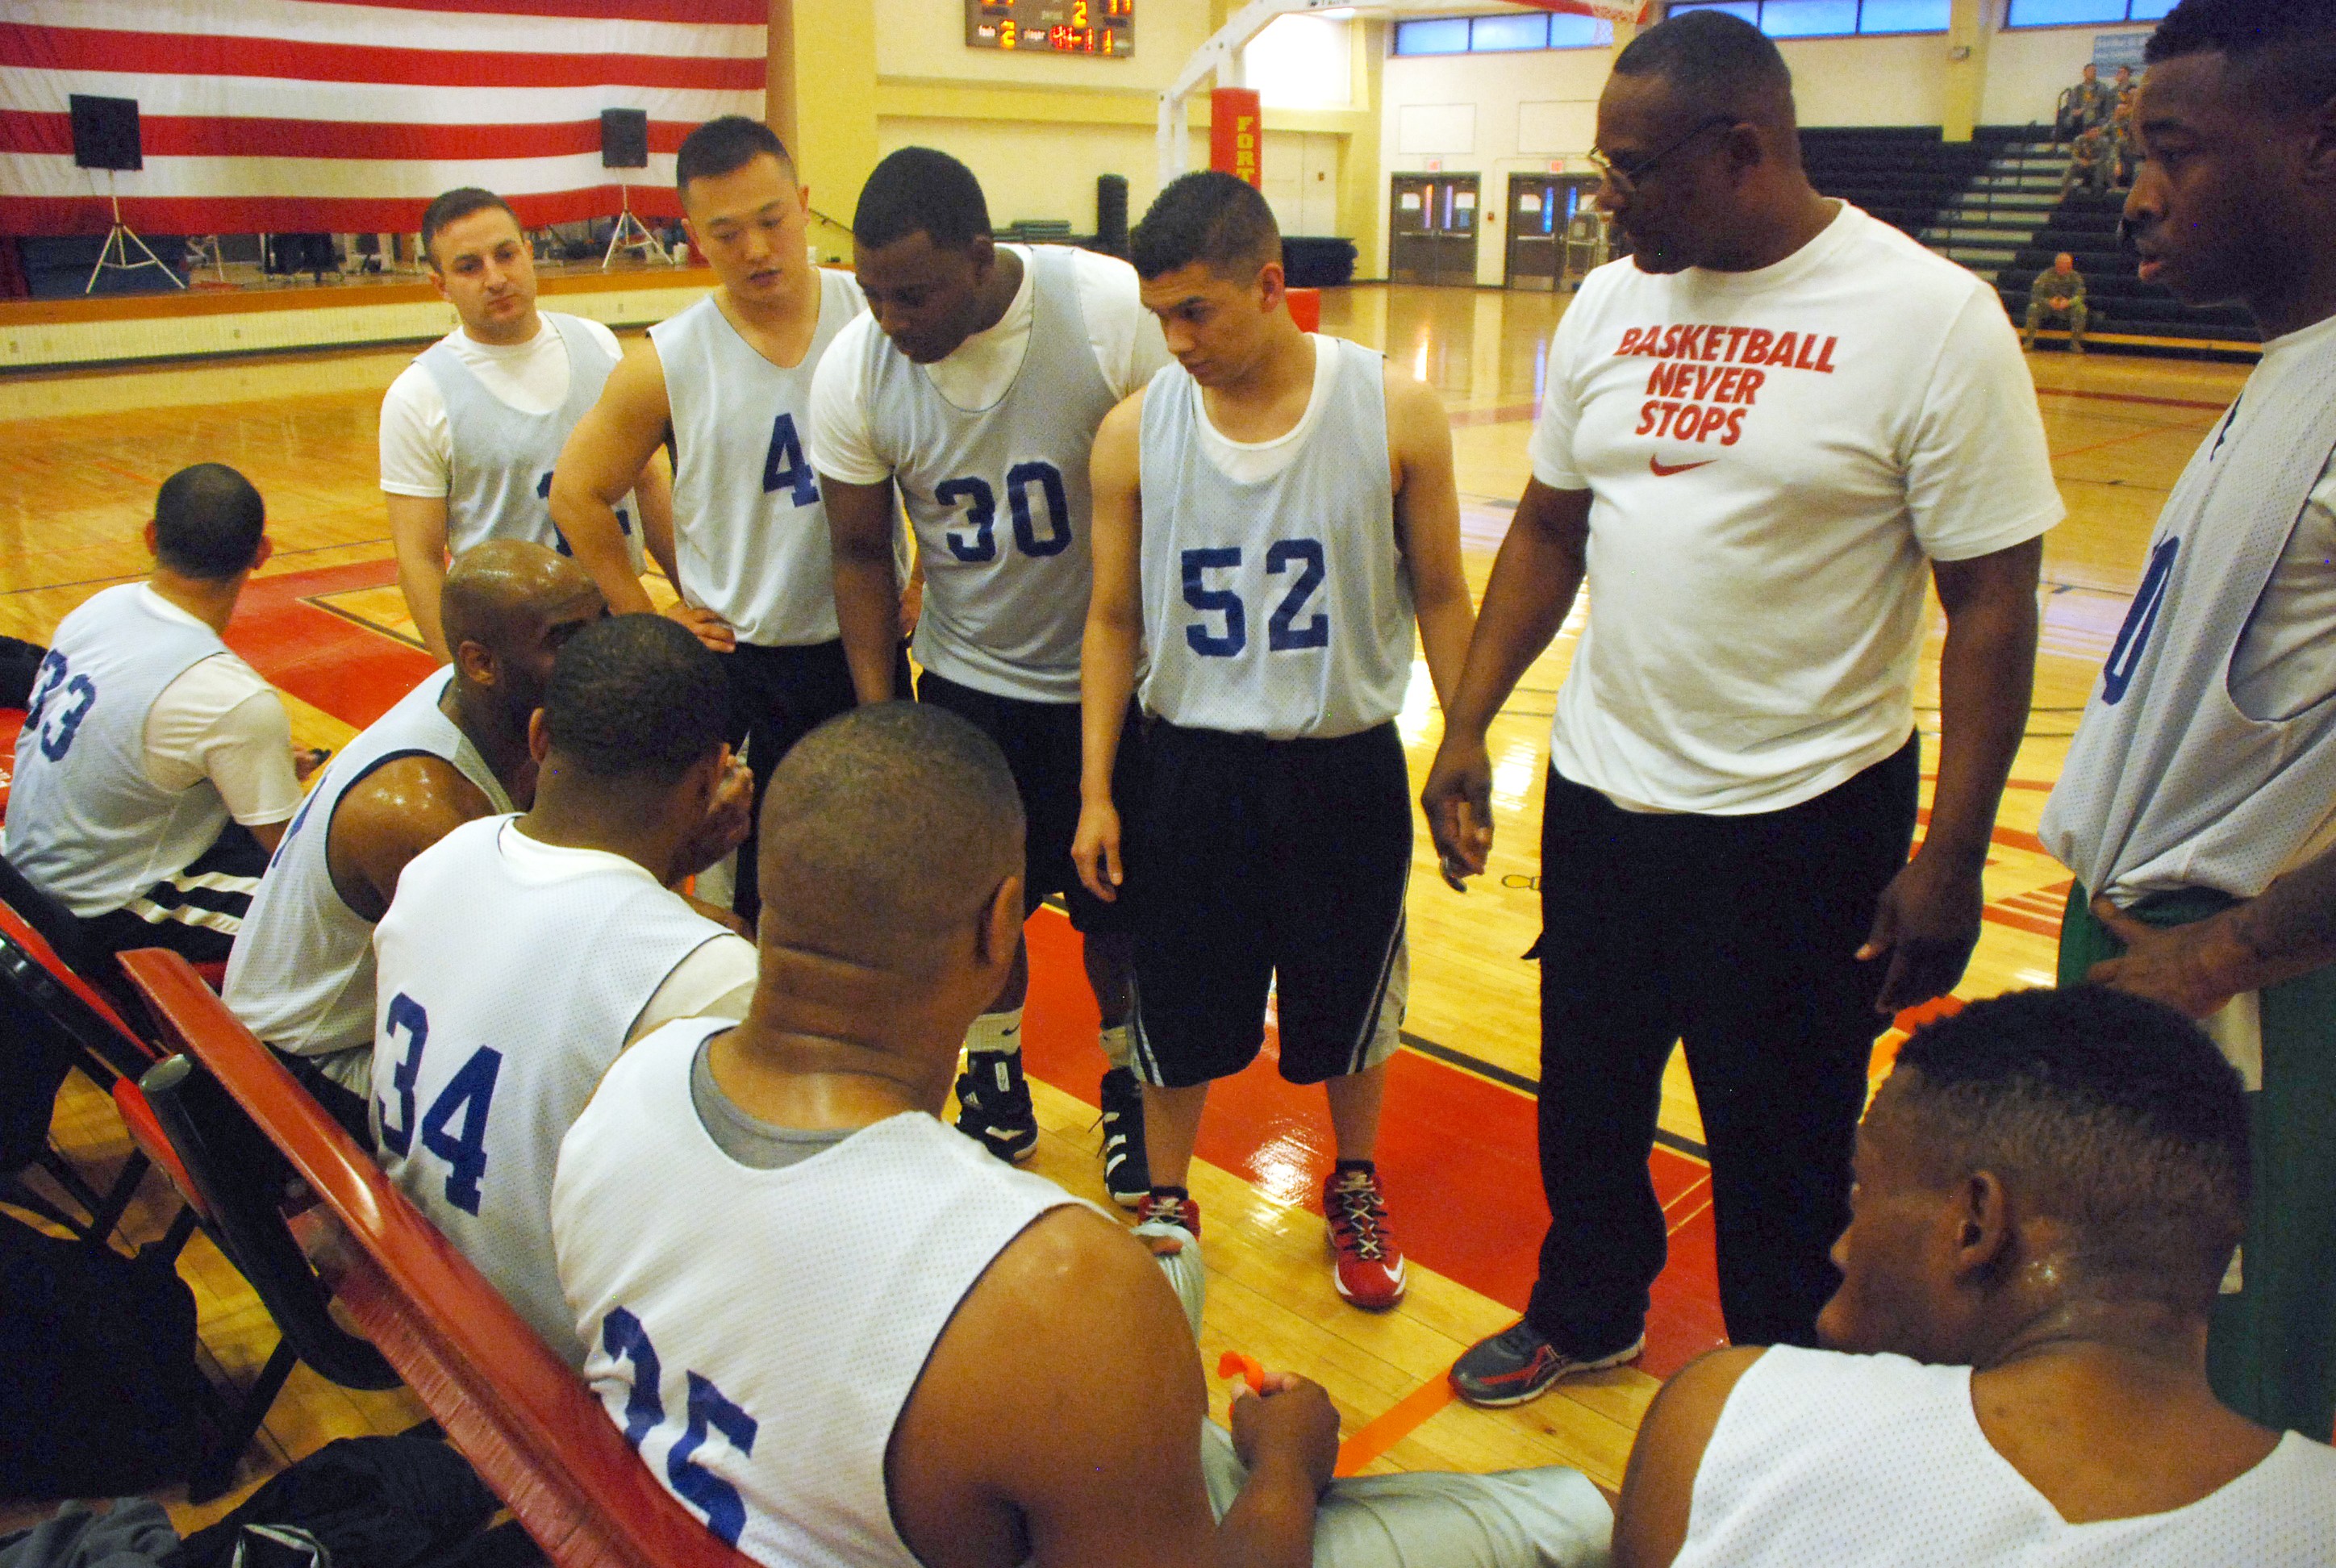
(1652, 1519)
(1081, 1444)
(1927, 918)
(396, 811)
(1535, 580)
(859, 520)
(417, 532)
(653, 491)
(2287, 929)
(1114, 637)
(603, 459)
(1427, 527)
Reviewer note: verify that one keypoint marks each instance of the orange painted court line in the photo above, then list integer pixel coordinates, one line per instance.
(2134, 435)
(2130, 398)
(1400, 1421)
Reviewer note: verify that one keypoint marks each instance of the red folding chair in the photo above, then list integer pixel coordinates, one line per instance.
(529, 1424)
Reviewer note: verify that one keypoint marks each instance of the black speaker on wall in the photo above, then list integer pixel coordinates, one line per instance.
(1110, 214)
(624, 138)
(105, 132)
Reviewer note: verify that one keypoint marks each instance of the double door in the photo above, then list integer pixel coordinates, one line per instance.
(1432, 229)
(1556, 235)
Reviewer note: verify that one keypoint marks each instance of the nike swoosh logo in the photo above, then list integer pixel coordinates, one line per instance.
(1664, 470)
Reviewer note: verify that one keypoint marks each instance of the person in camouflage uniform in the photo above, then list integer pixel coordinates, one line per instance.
(2059, 291)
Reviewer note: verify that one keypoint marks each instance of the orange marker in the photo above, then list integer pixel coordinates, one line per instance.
(1233, 1363)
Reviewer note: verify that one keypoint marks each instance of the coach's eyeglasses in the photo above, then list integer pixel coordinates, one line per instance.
(1624, 178)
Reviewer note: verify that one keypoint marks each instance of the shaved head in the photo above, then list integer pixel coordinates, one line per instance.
(493, 587)
(508, 607)
(885, 833)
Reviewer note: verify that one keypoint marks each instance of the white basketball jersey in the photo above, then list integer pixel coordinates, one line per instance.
(1282, 607)
(2168, 784)
(755, 1333)
(749, 534)
(301, 974)
(1825, 1458)
(999, 498)
(499, 480)
(86, 826)
(502, 999)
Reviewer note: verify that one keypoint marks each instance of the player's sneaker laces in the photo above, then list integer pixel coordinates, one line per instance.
(1126, 1174)
(1157, 1207)
(993, 1106)
(1518, 1365)
(1369, 1265)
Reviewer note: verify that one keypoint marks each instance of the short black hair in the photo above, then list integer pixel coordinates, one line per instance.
(458, 203)
(885, 828)
(2112, 1114)
(2288, 47)
(725, 146)
(1211, 217)
(636, 697)
(1714, 59)
(920, 190)
(208, 523)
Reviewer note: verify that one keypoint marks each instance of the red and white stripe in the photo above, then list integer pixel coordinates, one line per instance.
(349, 115)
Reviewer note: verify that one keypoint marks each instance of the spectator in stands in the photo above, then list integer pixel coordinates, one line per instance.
(2090, 156)
(2124, 144)
(453, 748)
(2086, 105)
(2050, 1186)
(154, 772)
(2058, 292)
(913, 1352)
(635, 790)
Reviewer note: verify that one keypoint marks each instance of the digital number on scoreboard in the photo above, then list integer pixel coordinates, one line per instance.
(1052, 27)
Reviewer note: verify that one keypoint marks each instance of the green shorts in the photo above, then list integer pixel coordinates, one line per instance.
(2271, 1352)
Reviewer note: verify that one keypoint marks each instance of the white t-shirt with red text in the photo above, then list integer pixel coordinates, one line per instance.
(1774, 459)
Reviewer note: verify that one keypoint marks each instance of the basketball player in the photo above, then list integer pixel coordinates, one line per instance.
(155, 772)
(453, 748)
(976, 384)
(1764, 436)
(469, 430)
(2197, 807)
(2049, 1188)
(844, 1335)
(477, 1074)
(1273, 515)
(726, 385)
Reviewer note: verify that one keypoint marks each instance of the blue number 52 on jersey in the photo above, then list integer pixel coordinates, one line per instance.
(1284, 632)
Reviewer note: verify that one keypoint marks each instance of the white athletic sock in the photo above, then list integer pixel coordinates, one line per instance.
(997, 1032)
(1113, 1041)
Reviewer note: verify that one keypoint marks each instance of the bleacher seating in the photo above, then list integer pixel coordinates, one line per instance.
(1902, 174)
(2085, 225)
(529, 1424)
(1993, 204)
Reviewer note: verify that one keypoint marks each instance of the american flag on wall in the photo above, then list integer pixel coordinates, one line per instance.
(347, 116)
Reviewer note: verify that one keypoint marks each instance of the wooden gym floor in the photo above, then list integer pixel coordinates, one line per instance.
(83, 454)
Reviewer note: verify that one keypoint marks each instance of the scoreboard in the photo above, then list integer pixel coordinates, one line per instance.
(1052, 27)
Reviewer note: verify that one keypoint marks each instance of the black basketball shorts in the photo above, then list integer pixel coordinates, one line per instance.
(1041, 741)
(1277, 865)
